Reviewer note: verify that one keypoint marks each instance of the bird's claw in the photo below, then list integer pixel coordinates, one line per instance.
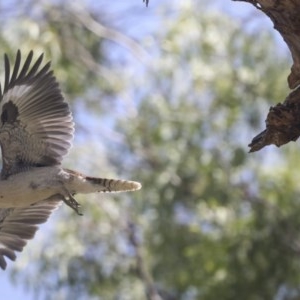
(71, 201)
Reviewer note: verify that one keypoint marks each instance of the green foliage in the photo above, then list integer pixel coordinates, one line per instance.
(215, 226)
(60, 30)
(211, 222)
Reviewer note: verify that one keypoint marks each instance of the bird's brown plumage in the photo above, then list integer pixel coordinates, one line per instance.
(36, 130)
(36, 125)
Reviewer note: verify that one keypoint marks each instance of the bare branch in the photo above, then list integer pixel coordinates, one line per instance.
(283, 121)
(151, 291)
(108, 33)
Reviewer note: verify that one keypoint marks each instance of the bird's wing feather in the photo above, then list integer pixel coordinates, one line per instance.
(36, 125)
(17, 225)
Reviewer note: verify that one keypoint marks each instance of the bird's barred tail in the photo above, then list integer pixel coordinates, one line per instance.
(76, 183)
(113, 185)
(80, 184)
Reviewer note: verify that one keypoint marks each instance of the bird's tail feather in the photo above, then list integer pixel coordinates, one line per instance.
(112, 185)
(81, 184)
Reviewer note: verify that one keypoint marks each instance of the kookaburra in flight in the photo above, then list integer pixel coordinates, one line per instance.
(36, 130)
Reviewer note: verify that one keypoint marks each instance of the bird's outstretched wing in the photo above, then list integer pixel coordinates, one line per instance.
(36, 129)
(36, 126)
(18, 225)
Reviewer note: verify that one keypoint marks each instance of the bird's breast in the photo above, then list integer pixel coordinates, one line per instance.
(26, 188)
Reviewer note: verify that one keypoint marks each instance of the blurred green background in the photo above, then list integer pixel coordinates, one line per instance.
(168, 95)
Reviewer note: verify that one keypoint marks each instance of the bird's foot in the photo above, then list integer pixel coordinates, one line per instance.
(71, 201)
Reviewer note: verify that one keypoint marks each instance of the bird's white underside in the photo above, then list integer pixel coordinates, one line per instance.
(23, 189)
(38, 184)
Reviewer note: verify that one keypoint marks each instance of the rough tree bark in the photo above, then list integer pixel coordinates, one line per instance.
(283, 120)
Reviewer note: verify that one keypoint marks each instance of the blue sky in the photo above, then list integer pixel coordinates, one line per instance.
(239, 10)
(10, 291)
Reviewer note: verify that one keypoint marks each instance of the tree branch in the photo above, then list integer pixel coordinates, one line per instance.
(111, 34)
(283, 120)
(151, 291)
